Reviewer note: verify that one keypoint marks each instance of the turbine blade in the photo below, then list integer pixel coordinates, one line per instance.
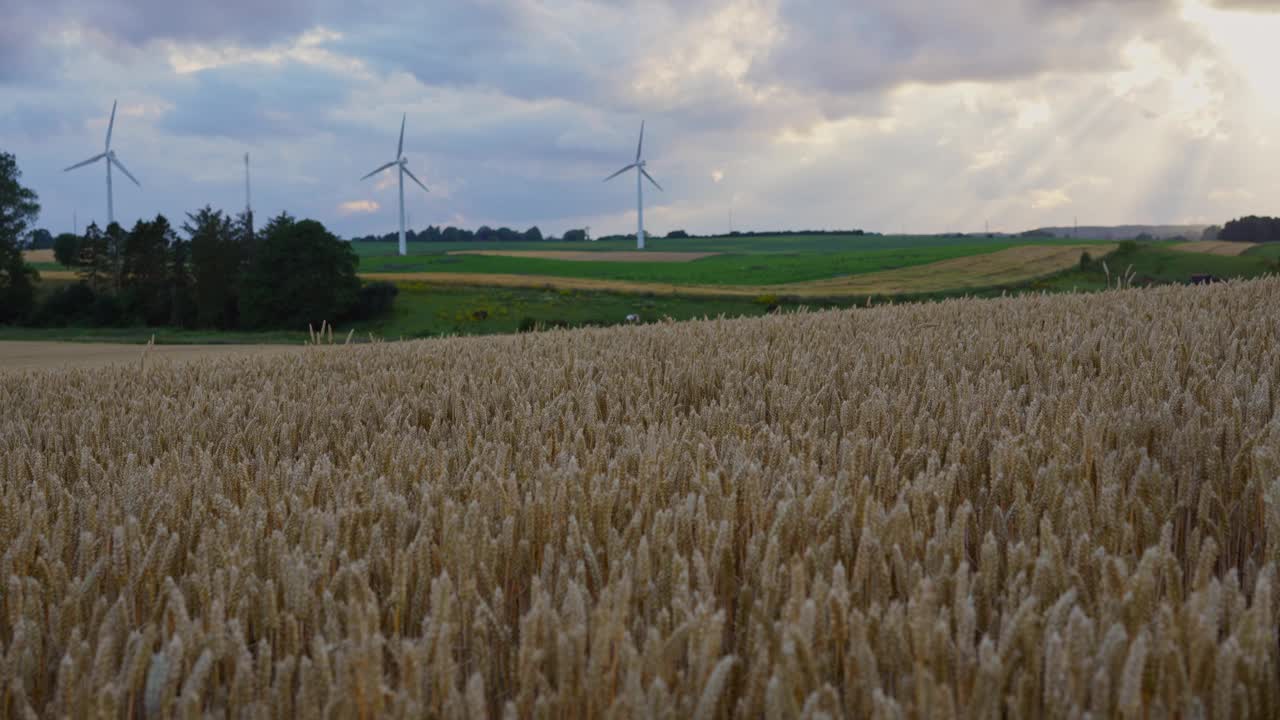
(400, 147)
(111, 125)
(640, 145)
(90, 161)
(413, 178)
(619, 172)
(375, 172)
(112, 159)
(655, 182)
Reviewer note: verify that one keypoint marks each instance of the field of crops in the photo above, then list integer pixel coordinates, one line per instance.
(1028, 507)
(1010, 266)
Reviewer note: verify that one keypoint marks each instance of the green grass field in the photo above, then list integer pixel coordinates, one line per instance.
(1269, 250)
(755, 269)
(1157, 264)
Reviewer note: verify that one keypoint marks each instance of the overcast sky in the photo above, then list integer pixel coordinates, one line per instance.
(923, 115)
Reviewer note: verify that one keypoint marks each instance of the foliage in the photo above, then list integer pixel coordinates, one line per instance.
(1252, 229)
(146, 292)
(217, 256)
(67, 305)
(677, 235)
(967, 509)
(575, 236)
(301, 275)
(1211, 233)
(434, 234)
(183, 308)
(66, 249)
(94, 260)
(19, 207)
(40, 239)
(375, 299)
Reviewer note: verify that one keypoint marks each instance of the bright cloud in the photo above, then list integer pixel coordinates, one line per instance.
(356, 207)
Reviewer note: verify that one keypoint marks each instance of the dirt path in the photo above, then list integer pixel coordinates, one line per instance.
(25, 355)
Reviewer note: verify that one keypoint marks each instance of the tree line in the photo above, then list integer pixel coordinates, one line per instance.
(215, 271)
(486, 234)
(1251, 229)
(453, 234)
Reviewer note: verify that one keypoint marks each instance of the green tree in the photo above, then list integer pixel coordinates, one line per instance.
(94, 260)
(216, 259)
(144, 271)
(182, 305)
(575, 235)
(40, 239)
(115, 237)
(301, 274)
(19, 207)
(66, 249)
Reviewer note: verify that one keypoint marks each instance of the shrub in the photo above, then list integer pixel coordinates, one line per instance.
(375, 299)
(68, 305)
(300, 275)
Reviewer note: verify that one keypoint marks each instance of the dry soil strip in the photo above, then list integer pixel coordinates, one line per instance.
(26, 355)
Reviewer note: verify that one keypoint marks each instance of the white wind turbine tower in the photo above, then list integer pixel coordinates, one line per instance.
(400, 164)
(110, 156)
(639, 165)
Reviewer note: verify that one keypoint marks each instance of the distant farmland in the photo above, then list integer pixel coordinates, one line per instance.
(998, 267)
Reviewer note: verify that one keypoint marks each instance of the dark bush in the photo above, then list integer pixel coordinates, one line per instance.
(107, 311)
(70, 305)
(375, 298)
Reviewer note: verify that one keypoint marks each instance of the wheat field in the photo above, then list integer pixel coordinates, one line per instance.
(1032, 507)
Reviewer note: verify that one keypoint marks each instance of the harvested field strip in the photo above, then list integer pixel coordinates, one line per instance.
(1005, 267)
(594, 256)
(1032, 507)
(38, 256)
(1215, 247)
(23, 355)
(59, 275)
(1019, 264)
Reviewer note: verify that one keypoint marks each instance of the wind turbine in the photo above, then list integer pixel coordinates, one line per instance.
(400, 163)
(110, 156)
(639, 165)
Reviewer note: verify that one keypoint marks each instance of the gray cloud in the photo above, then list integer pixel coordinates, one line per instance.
(880, 44)
(517, 108)
(246, 103)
